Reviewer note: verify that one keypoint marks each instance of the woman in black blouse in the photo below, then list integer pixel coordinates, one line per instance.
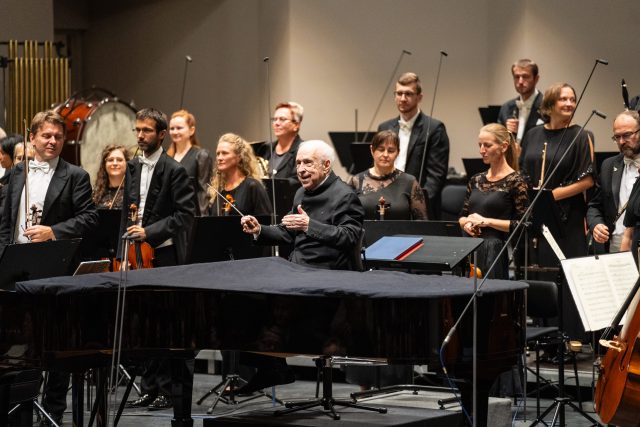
(107, 192)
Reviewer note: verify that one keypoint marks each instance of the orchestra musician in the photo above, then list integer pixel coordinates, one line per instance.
(398, 189)
(18, 152)
(62, 194)
(160, 188)
(568, 186)
(495, 199)
(7, 147)
(412, 126)
(617, 176)
(325, 228)
(286, 122)
(520, 114)
(108, 191)
(237, 175)
(186, 150)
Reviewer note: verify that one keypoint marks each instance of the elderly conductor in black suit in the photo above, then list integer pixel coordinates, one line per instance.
(324, 226)
(412, 127)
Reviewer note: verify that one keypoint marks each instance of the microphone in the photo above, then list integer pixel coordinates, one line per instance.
(384, 93)
(599, 114)
(602, 61)
(187, 61)
(266, 59)
(625, 95)
(442, 52)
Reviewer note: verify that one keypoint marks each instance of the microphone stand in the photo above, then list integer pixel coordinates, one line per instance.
(384, 93)
(519, 224)
(187, 61)
(433, 103)
(270, 142)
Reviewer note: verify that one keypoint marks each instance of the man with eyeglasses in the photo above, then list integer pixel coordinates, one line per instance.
(286, 122)
(160, 188)
(412, 127)
(520, 114)
(606, 210)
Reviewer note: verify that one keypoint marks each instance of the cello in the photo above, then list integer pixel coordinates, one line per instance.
(617, 394)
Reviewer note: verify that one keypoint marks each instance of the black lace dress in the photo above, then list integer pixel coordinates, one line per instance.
(505, 198)
(110, 199)
(399, 189)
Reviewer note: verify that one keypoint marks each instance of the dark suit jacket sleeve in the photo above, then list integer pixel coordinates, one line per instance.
(437, 161)
(5, 224)
(204, 160)
(595, 211)
(506, 111)
(85, 215)
(183, 209)
(344, 232)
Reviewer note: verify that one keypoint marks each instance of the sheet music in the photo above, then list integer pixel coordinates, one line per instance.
(599, 286)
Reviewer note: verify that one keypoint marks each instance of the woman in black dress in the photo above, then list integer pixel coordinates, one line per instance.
(107, 191)
(568, 185)
(399, 190)
(496, 199)
(186, 149)
(237, 176)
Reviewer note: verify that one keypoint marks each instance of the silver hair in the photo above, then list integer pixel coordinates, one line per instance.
(324, 150)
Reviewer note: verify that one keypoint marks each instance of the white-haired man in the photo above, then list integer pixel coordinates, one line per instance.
(324, 226)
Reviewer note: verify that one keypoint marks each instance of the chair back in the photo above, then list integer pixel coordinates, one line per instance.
(542, 299)
(452, 202)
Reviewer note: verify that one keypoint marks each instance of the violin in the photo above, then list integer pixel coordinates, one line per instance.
(617, 395)
(140, 254)
(228, 205)
(382, 207)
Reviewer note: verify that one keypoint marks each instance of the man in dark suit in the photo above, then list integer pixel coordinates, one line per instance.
(605, 213)
(412, 127)
(160, 188)
(521, 114)
(61, 194)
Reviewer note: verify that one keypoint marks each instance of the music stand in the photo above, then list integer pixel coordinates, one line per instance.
(285, 190)
(342, 144)
(361, 156)
(374, 230)
(220, 238)
(103, 240)
(473, 166)
(489, 114)
(29, 261)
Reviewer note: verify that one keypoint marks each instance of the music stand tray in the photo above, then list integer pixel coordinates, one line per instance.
(374, 230)
(285, 190)
(342, 144)
(437, 254)
(28, 261)
(361, 155)
(220, 238)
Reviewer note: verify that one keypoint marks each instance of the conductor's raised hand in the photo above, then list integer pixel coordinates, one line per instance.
(297, 222)
(250, 224)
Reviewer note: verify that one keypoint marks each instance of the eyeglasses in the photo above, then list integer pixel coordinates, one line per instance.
(280, 119)
(145, 131)
(407, 94)
(625, 136)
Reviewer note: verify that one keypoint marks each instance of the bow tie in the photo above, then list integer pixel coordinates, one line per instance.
(404, 125)
(37, 166)
(147, 162)
(635, 162)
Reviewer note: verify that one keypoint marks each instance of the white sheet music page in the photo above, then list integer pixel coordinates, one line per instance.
(599, 286)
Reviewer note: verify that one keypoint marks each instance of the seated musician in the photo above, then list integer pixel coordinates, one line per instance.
(324, 226)
(108, 191)
(236, 179)
(61, 193)
(496, 199)
(398, 190)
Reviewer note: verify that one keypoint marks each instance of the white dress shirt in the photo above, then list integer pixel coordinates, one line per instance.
(404, 134)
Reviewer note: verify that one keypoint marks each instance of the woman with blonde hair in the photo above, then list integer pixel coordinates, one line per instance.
(186, 150)
(236, 177)
(496, 199)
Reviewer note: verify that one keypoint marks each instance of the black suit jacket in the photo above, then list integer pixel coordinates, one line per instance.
(509, 109)
(604, 205)
(169, 208)
(436, 165)
(68, 208)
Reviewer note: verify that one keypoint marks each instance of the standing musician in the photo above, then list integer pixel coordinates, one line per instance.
(412, 126)
(186, 150)
(108, 191)
(520, 114)
(286, 122)
(605, 215)
(324, 226)
(62, 194)
(568, 185)
(7, 147)
(237, 177)
(160, 188)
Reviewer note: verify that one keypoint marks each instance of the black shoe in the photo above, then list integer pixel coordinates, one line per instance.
(266, 378)
(161, 402)
(142, 402)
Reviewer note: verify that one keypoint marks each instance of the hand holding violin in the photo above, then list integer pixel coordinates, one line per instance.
(137, 233)
(39, 233)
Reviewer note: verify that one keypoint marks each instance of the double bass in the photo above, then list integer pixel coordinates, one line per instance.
(617, 394)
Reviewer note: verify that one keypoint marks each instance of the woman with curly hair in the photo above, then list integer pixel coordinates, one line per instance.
(237, 176)
(107, 191)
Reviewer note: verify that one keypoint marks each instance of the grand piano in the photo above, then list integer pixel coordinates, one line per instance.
(264, 305)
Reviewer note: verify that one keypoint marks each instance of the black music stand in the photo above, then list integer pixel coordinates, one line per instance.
(28, 261)
(473, 166)
(102, 242)
(342, 143)
(361, 155)
(285, 190)
(374, 230)
(489, 114)
(220, 238)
